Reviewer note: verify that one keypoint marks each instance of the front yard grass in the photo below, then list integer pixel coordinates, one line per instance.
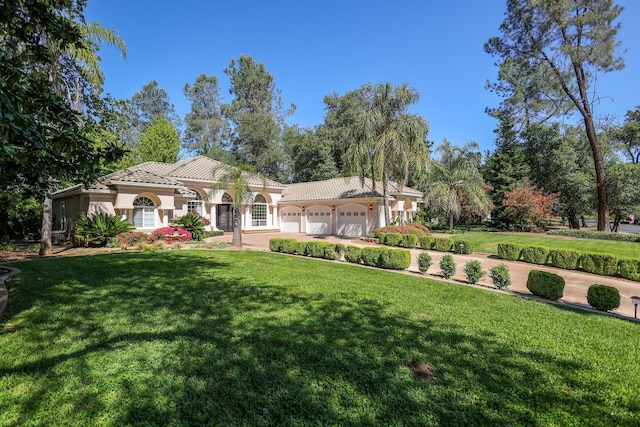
(487, 242)
(245, 338)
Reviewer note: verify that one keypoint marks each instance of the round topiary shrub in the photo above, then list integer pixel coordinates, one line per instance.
(500, 276)
(442, 244)
(474, 272)
(275, 244)
(409, 240)
(424, 262)
(462, 247)
(509, 251)
(352, 254)
(426, 242)
(393, 239)
(566, 259)
(447, 266)
(603, 298)
(545, 284)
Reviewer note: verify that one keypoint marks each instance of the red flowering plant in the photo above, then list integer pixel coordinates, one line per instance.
(128, 239)
(169, 235)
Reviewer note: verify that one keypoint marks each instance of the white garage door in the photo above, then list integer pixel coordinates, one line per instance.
(291, 222)
(318, 221)
(352, 221)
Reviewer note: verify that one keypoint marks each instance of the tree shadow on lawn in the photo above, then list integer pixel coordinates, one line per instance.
(191, 341)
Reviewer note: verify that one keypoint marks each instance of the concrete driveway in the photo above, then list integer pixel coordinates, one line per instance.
(575, 291)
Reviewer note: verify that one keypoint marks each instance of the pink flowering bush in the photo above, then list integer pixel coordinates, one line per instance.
(128, 239)
(168, 234)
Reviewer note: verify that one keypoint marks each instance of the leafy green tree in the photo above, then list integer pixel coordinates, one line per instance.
(453, 178)
(564, 44)
(257, 117)
(310, 155)
(150, 104)
(160, 142)
(387, 141)
(627, 136)
(206, 130)
(624, 191)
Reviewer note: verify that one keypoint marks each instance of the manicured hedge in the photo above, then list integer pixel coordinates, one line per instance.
(603, 298)
(630, 269)
(315, 249)
(409, 240)
(569, 260)
(395, 259)
(289, 246)
(301, 249)
(382, 237)
(545, 284)
(352, 254)
(426, 242)
(339, 249)
(462, 246)
(510, 251)
(443, 244)
(600, 235)
(393, 239)
(602, 264)
(275, 245)
(535, 254)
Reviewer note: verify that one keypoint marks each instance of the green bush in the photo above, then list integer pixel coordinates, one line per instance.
(314, 249)
(588, 234)
(213, 233)
(545, 284)
(396, 259)
(289, 246)
(409, 240)
(602, 264)
(339, 248)
(393, 239)
(424, 262)
(371, 255)
(97, 229)
(275, 244)
(566, 259)
(630, 269)
(193, 223)
(535, 254)
(382, 238)
(510, 251)
(352, 254)
(473, 270)
(330, 251)
(603, 298)
(442, 244)
(426, 242)
(462, 247)
(302, 248)
(447, 266)
(500, 276)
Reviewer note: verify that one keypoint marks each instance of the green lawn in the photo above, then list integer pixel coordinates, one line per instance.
(244, 338)
(487, 242)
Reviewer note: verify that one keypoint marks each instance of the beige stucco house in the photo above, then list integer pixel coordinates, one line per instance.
(149, 195)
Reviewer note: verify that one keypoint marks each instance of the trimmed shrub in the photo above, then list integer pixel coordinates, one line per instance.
(500, 276)
(442, 244)
(535, 254)
(339, 248)
(314, 249)
(510, 251)
(371, 255)
(630, 269)
(352, 254)
(330, 251)
(409, 240)
(302, 248)
(393, 239)
(127, 239)
(213, 233)
(561, 258)
(545, 284)
(413, 228)
(603, 298)
(462, 247)
(587, 234)
(396, 259)
(447, 266)
(289, 246)
(382, 238)
(424, 262)
(602, 264)
(426, 242)
(473, 270)
(275, 244)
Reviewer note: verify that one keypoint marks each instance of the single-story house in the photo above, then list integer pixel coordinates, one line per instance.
(149, 195)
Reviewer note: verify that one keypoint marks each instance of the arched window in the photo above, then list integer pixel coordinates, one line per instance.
(259, 211)
(196, 205)
(144, 213)
(226, 198)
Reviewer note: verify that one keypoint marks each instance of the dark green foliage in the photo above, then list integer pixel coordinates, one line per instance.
(393, 239)
(603, 298)
(339, 249)
(630, 269)
(382, 237)
(329, 251)
(213, 233)
(394, 259)
(473, 270)
(409, 240)
(426, 242)
(314, 249)
(371, 255)
(587, 234)
(275, 244)
(500, 276)
(97, 229)
(462, 247)
(193, 223)
(447, 266)
(289, 246)
(602, 264)
(352, 254)
(535, 254)
(302, 248)
(424, 262)
(510, 251)
(442, 244)
(566, 259)
(545, 284)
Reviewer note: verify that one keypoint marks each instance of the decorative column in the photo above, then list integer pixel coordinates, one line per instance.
(212, 217)
(275, 220)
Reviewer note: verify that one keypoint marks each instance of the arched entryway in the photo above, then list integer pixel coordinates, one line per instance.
(224, 220)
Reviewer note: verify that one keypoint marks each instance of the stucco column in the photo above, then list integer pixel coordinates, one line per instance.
(275, 219)
(165, 219)
(212, 217)
(247, 217)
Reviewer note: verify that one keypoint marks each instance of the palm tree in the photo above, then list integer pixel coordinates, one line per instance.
(453, 177)
(387, 139)
(237, 181)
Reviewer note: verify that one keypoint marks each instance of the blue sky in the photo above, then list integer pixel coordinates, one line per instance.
(317, 48)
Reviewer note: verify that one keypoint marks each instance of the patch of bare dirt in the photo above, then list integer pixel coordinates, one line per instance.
(423, 371)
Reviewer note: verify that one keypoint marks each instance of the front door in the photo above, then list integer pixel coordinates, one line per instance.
(225, 221)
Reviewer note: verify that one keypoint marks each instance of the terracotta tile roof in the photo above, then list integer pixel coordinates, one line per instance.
(341, 188)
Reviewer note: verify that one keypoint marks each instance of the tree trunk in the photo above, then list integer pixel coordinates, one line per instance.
(46, 244)
(237, 227)
(598, 158)
(616, 223)
(574, 222)
(451, 222)
(584, 221)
